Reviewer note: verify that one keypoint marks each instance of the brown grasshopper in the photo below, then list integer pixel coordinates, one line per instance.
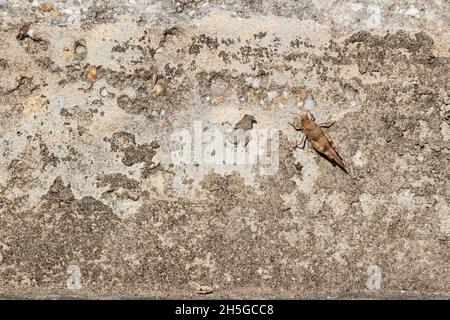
(319, 139)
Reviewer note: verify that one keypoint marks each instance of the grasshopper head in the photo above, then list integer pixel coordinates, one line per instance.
(302, 119)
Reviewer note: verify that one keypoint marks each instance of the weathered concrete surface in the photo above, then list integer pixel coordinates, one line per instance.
(91, 204)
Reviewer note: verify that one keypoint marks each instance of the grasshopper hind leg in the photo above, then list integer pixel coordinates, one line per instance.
(341, 164)
(327, 135)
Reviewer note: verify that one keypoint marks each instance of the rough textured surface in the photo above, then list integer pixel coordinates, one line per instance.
(92, 205)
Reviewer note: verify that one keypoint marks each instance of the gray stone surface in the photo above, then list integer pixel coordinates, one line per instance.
(92, 204)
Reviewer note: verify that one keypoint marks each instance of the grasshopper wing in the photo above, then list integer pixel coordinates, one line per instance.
(325, 146)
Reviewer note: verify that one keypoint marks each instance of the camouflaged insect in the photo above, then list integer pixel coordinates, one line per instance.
(318, 138)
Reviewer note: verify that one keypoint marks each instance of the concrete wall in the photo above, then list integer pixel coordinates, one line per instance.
(93, 203)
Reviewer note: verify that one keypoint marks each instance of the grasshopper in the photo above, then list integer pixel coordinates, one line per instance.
(318, 138)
